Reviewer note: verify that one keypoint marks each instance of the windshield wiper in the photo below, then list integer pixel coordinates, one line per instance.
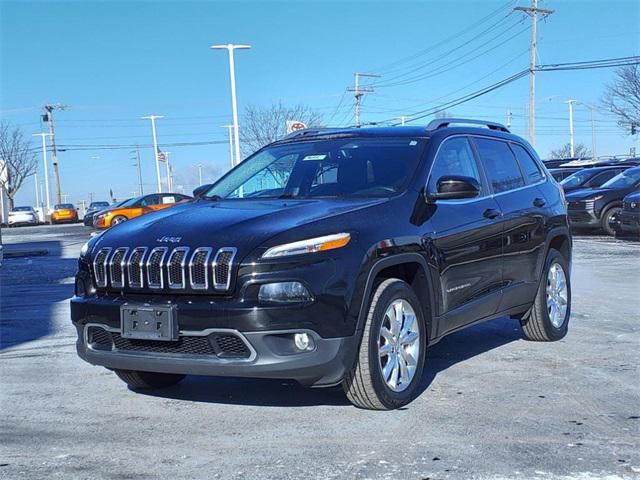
(213, 198)
(285, 196)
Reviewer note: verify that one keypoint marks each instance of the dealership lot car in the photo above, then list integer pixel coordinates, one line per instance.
(590, 178)
(364, 248)
(629, 219)
(64, 213)
(94, 207)
(136, 207)
(600, 207)
(22, 216)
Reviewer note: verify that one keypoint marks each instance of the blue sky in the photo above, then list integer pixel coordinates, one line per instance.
(115, 61)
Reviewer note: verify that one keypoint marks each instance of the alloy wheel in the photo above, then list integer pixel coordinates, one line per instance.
(557, 295)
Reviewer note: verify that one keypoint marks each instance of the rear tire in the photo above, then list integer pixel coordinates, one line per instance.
(608, 219)
(402, 358)
(148, 380)
(542, 323)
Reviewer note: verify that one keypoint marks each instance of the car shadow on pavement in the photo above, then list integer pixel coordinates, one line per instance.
(31, 287)
(454, 349)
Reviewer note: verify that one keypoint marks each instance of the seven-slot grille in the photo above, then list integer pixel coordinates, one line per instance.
(160, 267)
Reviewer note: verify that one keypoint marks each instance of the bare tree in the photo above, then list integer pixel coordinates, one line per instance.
(263, 125)
(18, 160)
(579, 151)
(622, 96)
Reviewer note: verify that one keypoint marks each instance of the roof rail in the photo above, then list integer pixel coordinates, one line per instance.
(445, 122)
(310, 131)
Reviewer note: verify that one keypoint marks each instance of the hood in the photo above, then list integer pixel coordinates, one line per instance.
(585, 193)
(244, 224)
(633, 197)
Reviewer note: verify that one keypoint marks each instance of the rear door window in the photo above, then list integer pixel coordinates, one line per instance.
(500, 165)
(528, 165)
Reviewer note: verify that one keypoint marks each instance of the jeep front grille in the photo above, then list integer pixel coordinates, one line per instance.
(161, 267)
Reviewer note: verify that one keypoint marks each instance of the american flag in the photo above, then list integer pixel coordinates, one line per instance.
(161, 156)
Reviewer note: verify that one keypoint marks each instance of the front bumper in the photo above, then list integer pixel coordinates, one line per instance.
(629, 221)
(583, 218)
(268, 353)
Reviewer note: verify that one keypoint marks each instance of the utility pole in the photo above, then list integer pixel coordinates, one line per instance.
(533, 11)
(358, 92)
(571, 143)
(200, 174)
(46, 168)
(153, 119)
(402, 120)
(48, 117)
(509, 118)
(230, 128)
(230, 47)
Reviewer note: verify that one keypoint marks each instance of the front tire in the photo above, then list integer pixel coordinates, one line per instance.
(392, 351)
(148, 380)
(118, 219)
(548, 318)
(609, 217)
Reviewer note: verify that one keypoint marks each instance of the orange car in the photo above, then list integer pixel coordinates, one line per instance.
(137, 207)
(64, 213)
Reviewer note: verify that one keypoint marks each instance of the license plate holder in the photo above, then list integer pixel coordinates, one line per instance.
(146, 322)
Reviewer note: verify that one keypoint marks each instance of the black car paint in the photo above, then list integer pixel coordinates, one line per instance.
(629, 220)
(465, 266)
(586, 214)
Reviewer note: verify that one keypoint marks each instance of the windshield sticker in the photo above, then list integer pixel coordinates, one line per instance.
(314, 157)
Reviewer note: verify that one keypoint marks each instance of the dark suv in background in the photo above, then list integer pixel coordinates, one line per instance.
(599, 208)
(333, 256)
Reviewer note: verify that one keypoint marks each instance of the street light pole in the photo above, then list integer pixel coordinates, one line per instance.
(230, 128)
(200, 174)
(46, 167)
(230, 47)
(593, 130)
(571, 143)
(169, 179)
(153, 119)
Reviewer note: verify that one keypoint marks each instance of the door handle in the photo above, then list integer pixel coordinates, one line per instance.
(490, 213)
(539, 202)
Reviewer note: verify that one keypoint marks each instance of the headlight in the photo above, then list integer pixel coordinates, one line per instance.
(318, 244)
(84, 250)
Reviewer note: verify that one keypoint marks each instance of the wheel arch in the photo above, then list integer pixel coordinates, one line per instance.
(409, 267)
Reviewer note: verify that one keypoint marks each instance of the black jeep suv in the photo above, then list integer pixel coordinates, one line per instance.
(333, 256)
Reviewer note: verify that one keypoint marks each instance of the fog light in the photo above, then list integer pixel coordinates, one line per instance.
(303, 341)
(283, 292)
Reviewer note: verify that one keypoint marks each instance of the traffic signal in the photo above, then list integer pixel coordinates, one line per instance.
(633, 129)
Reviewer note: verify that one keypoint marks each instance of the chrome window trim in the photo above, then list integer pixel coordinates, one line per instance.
(205, 264)
(491, 194)
(114, 283)
(227, 284)
(164, 251)
(183, 263)
(104, 264)
(185, 333)
(141, 265)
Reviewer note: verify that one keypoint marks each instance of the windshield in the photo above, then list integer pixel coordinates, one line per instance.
(22, 209)
(628, 178)
(128, 203)
(98, 204)
(576, 179)
(353, 167)
(62, 206)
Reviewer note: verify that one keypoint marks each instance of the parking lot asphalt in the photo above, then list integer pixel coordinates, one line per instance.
(493, 405)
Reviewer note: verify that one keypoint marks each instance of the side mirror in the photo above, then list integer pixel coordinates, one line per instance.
(201, 190)
(452, 187)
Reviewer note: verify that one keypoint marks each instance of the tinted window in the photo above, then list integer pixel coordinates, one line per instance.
(22, 209)
(150, 200)
(602, 178)
(455, 157)
(626, 179)
(500, 165)
(528, 165)
(340, 167)
(61, 206)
